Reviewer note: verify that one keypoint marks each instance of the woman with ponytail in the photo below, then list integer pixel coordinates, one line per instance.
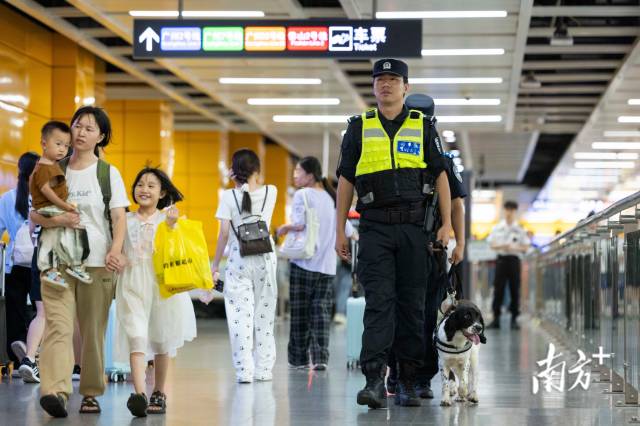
(14, 215)
(250, 289)
(311, 281)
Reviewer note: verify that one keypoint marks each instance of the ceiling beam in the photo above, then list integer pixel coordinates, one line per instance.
(577, 48)
(66, 12)
(524, 18)
(528, 155)
(587, 31)
(98, 32)
(586, 11)
(63, 27)
(564, 89)
(577, 77)
(569, 64)
(558, 100)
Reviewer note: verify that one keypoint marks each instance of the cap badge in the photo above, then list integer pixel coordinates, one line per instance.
(386, 66)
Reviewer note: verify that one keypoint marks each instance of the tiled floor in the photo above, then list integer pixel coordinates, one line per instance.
(202, 391)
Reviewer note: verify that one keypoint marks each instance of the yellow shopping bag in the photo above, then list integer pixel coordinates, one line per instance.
(181, 258)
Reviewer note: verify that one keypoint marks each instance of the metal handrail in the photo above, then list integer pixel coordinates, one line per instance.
(615, 208)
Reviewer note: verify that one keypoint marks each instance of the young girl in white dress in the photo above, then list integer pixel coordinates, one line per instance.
(148, 324)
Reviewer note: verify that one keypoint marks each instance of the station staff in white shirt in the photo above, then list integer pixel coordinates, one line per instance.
(510, 241)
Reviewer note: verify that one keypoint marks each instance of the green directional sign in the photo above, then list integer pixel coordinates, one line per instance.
(222, 39)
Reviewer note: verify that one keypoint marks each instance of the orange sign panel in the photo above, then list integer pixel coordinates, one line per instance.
(265, 38)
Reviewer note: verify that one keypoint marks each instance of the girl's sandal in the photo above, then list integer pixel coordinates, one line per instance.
(157, 403)
(89, 405)
(137, 404)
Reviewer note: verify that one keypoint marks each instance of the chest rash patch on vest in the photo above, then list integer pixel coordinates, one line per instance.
(407, 147)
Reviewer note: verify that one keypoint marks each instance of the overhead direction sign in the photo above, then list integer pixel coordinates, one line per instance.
(314, 38)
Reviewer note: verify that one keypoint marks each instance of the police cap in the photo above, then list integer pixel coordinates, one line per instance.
(390, 66)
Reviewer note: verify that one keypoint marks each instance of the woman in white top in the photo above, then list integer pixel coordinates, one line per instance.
(311, 282)
(90, 130)
(250, 289)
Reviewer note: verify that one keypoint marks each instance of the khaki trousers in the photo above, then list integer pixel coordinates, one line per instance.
(91, 303)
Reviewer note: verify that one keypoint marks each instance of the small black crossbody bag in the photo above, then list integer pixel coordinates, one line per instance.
(253, 237)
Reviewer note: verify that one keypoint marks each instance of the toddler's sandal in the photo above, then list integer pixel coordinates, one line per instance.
(157, 403)
(90, 405)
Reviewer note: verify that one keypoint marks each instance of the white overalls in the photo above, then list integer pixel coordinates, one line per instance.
(250, 297)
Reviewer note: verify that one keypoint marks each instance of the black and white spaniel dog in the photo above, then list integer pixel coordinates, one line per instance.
(457, 337)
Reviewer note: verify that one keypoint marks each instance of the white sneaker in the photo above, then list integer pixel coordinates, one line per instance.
(297, 367)
(80, 274)
(19, 349)
(340, 319)
(320, 367)
(29, 371)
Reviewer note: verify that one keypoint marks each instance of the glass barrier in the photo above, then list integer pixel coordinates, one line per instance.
(585, 284)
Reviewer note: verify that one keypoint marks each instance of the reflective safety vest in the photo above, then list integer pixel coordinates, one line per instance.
(379, 153)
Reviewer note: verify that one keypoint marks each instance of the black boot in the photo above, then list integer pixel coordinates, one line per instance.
(495, 324)
(423, 389)
(374, 394)
(392, 379)
(406, 393)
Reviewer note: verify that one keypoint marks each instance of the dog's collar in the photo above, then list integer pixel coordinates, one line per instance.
(445, 347)
(450, 349)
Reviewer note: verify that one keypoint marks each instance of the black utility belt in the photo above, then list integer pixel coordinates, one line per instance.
(508, 257)
(396, 216)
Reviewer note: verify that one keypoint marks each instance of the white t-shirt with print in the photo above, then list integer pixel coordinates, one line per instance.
(228, 210)
(84, 190)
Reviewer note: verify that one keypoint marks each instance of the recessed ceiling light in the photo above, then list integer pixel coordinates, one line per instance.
(629, 119)
(154, 13)
(343, 118)
(223, 13)
(293, 101)
(260, 80)
(621, 133)
(448, 134)
(469, 118)
(616, 145)
(461, 52)
(604, 165)
(633, 101)
(440, 14)
(455, 80)
(311, 118)
(197, 13)
(465, 101)
(605, 156)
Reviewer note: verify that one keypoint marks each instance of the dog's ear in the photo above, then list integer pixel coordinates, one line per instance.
(483, 339)
(451, 325)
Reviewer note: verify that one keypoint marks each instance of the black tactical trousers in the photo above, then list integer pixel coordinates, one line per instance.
(393, 267)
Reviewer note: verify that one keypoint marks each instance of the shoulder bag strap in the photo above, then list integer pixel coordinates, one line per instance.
(104, 180)
(266, 194)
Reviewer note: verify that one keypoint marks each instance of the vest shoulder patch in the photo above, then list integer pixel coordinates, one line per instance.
(354, 118)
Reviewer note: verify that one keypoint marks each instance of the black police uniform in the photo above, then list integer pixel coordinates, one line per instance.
(436, 289)
(434, 295)
(393, 260)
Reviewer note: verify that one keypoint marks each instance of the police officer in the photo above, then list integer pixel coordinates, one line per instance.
(436, 288)
(386, 155)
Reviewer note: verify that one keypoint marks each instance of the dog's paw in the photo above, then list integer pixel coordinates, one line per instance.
(445, 403)
(473, 398)
(460, 398)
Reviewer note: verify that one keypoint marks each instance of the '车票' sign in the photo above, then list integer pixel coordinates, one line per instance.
(322, 38)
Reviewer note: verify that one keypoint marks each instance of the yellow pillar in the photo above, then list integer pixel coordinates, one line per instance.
(278, 172)
(200, 168)
(25, 90)
(142, 134)
(72, 77)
